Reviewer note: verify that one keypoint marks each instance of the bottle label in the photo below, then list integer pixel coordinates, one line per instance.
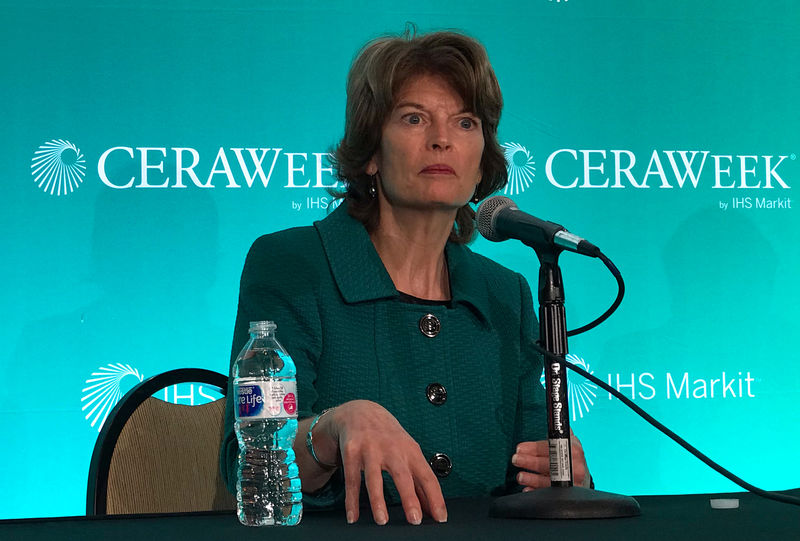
(269, 399)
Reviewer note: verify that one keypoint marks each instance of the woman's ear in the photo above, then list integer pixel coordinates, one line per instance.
(372, 166)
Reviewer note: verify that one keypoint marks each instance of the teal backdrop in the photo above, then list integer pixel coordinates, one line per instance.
(145, 145)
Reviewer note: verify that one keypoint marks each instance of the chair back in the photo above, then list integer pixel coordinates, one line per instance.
(153, 456)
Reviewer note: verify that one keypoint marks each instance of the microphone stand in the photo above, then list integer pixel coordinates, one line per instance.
(561, 500)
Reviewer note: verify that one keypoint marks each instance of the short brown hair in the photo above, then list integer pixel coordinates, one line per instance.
(378, 72)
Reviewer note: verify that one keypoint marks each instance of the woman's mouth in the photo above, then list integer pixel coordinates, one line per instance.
(437, 169)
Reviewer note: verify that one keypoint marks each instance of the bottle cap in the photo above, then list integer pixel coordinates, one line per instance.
(256, 326)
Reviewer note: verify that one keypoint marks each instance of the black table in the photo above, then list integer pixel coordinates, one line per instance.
(663, 517)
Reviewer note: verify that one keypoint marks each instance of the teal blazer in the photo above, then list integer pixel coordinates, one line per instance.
(353, 336)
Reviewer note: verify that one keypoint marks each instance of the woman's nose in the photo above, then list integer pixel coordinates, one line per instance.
(439, 136)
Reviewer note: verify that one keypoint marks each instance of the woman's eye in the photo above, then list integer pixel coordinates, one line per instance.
(413, 118)
(466, 123)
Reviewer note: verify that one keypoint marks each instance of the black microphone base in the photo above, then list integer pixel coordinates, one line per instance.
(564, 503)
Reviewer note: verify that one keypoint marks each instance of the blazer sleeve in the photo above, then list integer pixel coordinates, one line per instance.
(277, 284)
(531, 407)
(531, 414)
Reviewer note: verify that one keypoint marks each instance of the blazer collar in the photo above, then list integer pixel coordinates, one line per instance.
(361, 276)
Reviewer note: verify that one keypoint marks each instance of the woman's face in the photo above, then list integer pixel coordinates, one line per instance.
(431, 148)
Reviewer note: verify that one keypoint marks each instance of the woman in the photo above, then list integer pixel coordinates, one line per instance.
(413, 354)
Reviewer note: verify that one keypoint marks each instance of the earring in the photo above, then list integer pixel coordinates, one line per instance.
(475, 197)
(373, 187)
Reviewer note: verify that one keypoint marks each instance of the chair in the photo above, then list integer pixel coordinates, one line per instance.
(152, 456)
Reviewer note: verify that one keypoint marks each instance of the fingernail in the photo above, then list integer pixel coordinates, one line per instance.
(381, 518)
(515, 459)
(519, 478)
(441, 515)
(350, 517)
(415, 517)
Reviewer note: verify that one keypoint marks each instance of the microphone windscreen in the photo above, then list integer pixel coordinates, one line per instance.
(487, 212)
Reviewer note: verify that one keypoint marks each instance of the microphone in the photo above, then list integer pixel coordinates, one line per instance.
(499, 219)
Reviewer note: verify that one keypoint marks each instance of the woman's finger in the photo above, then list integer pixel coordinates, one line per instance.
(533, 480)
(373, 478)
(534, 463)
(351, 463)
(408, 495)
(423, 499)
(427, 482)
(538, 448)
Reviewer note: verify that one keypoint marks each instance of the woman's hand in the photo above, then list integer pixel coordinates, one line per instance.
(534, 456)
(371, 440)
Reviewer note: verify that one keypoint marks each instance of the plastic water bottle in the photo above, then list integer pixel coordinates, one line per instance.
(265, 389)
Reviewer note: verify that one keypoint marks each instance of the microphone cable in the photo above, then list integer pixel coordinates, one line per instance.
(777, 496)
(620, 293)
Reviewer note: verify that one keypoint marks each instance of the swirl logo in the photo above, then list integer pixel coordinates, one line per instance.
(521, 170)
(582, 392)
(104, 390)
(58, 167)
